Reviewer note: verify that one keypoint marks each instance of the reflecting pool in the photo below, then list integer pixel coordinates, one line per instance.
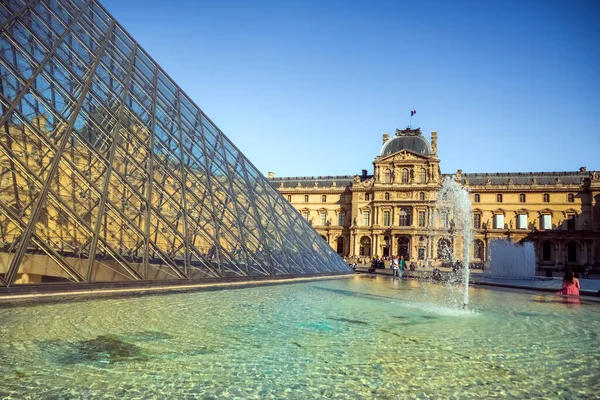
(342, 338)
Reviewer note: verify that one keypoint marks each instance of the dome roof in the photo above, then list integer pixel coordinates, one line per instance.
(413, 142)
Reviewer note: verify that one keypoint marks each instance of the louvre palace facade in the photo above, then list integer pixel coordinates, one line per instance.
(394, 209)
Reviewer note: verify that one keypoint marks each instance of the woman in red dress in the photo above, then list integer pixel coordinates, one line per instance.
(570, 287)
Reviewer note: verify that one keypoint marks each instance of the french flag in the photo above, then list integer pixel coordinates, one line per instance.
(413, 112)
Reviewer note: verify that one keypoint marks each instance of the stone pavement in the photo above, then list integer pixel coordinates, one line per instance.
(589, 287)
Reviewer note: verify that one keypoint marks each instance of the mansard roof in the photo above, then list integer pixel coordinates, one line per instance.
(315, 181)
(523, 178)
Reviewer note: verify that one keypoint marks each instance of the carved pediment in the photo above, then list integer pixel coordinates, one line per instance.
(404, 155)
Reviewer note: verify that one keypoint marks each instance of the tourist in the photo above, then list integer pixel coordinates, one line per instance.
(401, 266)
(586, 271)
(395, 267)
(575, 280)
(569, 287)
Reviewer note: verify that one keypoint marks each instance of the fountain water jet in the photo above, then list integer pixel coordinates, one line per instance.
(455, 202)
(510, 260)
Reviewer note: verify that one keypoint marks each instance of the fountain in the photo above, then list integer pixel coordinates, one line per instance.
(455, 207)
(510, 260)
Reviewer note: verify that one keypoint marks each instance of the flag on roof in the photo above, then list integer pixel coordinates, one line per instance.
(413, 112)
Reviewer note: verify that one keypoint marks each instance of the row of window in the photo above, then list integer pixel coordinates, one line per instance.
(405, 177)
(323, 218)
(386, 196)
(477, 197)
(405, 220)
(523, 198)
(545, 222)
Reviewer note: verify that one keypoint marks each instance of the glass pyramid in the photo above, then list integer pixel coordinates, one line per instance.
(109, 172)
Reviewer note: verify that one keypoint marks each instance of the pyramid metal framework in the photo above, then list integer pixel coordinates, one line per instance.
(109, 172)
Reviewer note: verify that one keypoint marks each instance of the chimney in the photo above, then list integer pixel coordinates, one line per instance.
(434, 142)
(364, 173)
(271, 175)
(386, 136)
(583, 169)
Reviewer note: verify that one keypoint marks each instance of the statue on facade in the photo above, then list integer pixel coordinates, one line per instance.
(408, 132)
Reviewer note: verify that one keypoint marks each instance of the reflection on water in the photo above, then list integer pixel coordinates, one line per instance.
(349, 338)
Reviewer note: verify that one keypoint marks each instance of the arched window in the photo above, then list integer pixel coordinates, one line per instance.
(477, 198)
(499, 198)
(289, 197)
(386, 196)
(306, 198)
(323, 198)
(478, 249)
(546, 198)
(444, 250)
(422, 196)
(340, 245)
(404, 175)
(522, 198)
(423, 175)
(387, 176)
(571, 198)
(365, 246)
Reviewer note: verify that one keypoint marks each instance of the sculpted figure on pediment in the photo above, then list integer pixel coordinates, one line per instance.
(356, 179)
(368, 182)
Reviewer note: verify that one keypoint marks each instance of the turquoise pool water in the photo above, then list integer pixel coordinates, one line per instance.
(342, 338)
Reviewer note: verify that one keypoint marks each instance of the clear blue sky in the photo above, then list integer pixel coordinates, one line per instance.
(308, 87)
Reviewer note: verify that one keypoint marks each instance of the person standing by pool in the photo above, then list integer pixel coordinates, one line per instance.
(569, 287)
(395, 267)
(401, 266)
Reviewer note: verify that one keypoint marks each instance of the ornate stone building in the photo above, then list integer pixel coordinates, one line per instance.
(395, 210)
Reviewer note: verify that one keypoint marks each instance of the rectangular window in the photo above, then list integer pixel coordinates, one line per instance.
(341, 218)
(404, 218)
(522, 221)
(444, 218)
(305, 215)
(498, 221)
(366, 217)
(546, 221)
(322, 219)
(421, 218)
(386, 218)
(477, 221)
(571, 222)
(421, 253)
